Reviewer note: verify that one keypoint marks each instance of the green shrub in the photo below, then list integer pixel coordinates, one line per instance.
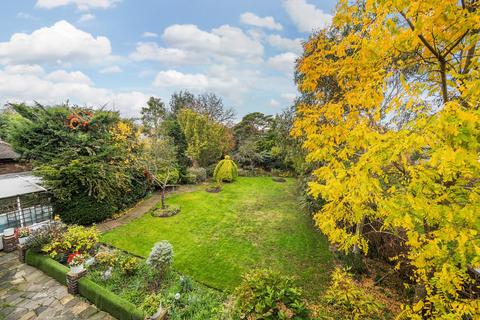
(350, 299)
(186, 284)
(161, 257)
(128, 265)
(196, 175)
(106, 258)
(226, 170)
(108, 301)
(151, 303)
(84, 210)
(49, 266)
(75, 239)
(265, 294)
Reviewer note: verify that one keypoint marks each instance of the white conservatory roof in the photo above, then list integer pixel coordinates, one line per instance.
(17, 184)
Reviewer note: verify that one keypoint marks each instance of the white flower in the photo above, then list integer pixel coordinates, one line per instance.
(177, 296)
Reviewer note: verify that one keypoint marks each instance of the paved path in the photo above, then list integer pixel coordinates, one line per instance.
(26, 293)
(141, 208)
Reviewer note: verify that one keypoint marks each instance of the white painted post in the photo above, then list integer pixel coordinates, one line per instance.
(20, 211)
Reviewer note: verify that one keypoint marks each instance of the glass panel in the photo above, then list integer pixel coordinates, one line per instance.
(3, 222)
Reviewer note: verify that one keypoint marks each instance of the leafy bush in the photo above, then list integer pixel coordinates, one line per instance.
(128, 265)
(196, 175)
(151, 303)
(226, 170)
(186, 284)
(77, 239)
(243, 172)
(44, 235)
(106, 258)
(345, 295)
(84, 210)
(265, 294)
(92, 170)
(161, 257)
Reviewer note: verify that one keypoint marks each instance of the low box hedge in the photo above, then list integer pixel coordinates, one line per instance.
(102, 298)
(108, 301)
(49, 266)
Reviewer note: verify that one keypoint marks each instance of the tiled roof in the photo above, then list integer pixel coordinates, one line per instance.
(6, 151)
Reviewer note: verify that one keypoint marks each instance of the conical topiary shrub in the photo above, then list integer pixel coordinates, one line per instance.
(226, 170)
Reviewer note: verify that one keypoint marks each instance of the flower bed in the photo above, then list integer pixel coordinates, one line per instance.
(141, 285)
(101, 297)
(126, 286)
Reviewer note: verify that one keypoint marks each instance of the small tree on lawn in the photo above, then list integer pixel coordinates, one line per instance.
(161, 164)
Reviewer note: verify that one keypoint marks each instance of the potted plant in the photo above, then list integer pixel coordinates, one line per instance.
(22, 235)
(75, 262)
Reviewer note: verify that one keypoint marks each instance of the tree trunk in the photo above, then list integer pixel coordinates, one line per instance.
(163, 198)
(358, 231)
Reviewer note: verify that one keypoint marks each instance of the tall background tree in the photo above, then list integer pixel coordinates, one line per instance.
(391, 122)
(207, 140)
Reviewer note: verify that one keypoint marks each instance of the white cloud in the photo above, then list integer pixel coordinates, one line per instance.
(222, 43)
(279, 42)
(148, 34)
(80, 4)
(215, 81)
(254, 20)
(60, 85)
(24, 69)
(283, 62)
(274, 103)
(112, 69)
(24, 15)
(173, 78)
(86, 17)
(306, 16)
(60, 43)
(128, 103)
(62, 76)
(151, 51)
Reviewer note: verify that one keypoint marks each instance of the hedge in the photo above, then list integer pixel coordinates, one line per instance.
(49, 266)
(102, 298)
(108, 301)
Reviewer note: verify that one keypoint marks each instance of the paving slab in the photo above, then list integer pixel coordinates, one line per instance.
(26, 293)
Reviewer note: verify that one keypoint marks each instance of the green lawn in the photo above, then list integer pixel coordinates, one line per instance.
(218, 236)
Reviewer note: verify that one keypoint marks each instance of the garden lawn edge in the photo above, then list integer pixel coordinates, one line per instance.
(102, 298)
(108, 301)
(49, 266)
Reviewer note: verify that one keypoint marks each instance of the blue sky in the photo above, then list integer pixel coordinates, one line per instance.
(120, 52)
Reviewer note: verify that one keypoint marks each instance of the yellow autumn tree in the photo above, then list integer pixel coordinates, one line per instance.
(390, 117)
